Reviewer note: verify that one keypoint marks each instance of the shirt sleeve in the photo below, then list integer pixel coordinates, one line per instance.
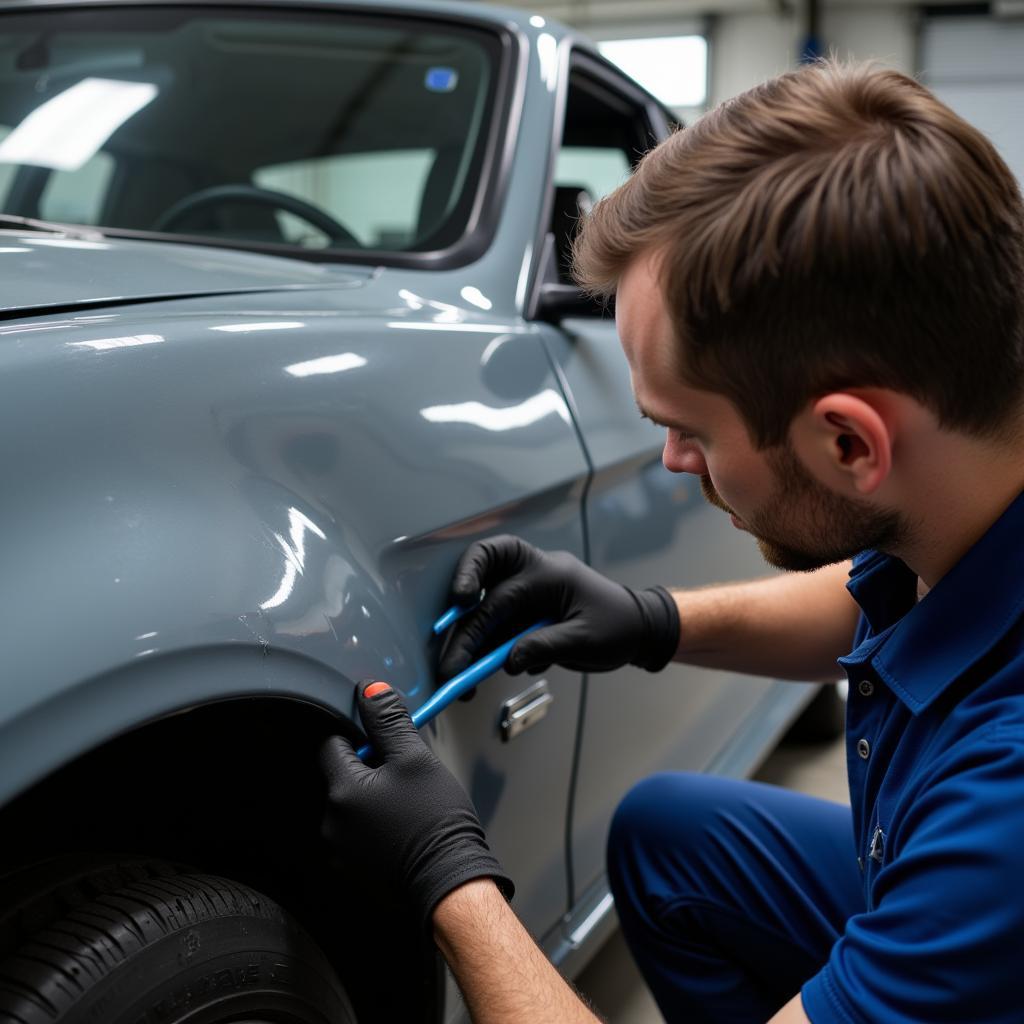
(944, 940)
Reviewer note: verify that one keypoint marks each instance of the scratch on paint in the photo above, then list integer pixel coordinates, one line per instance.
(263, 642)
(330, 626)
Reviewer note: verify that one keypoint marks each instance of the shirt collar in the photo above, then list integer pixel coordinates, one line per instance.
(919, 648)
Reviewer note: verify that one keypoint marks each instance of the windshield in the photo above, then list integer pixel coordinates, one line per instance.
(312, 133)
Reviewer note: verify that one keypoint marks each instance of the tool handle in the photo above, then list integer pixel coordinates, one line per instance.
(458, 685)
(450, 617)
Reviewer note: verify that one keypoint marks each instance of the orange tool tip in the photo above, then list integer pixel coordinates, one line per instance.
(374, 688)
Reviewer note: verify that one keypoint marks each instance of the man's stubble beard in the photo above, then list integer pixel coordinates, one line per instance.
(804, 526)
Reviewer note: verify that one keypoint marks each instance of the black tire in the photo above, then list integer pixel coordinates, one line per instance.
(147, 945)
(823, 720)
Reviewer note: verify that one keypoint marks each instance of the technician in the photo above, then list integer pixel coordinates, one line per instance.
(820, 294)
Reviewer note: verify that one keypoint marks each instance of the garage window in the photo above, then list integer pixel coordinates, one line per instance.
(673, 68)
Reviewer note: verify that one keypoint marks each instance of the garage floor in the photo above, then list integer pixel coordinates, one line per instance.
(611, 981)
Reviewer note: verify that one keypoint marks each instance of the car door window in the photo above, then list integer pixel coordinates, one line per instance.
(598, 169)
(607, 129)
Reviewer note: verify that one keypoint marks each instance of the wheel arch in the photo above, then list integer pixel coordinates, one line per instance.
(54, 732)
(230, 787)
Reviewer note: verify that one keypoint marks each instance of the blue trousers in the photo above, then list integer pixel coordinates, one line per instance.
(730, 894)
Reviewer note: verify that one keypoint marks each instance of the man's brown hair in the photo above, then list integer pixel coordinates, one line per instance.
(834, 227)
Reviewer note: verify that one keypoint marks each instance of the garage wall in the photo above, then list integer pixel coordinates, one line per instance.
(974, 62)
(976, 65)
(750, 39)
(748, 47)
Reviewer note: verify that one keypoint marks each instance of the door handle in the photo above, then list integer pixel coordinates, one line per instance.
(525, 709)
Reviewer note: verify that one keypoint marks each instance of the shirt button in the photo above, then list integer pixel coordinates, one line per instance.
(864, 749)
(865, 687)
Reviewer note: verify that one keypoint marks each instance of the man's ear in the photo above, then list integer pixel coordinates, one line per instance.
(846, 441)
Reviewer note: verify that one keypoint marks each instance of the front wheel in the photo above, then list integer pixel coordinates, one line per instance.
(171, 949)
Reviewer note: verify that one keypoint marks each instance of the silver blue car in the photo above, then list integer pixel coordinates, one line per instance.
(286, 321)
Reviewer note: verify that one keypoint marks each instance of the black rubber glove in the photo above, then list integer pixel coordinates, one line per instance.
(407, 822)
(598, 625)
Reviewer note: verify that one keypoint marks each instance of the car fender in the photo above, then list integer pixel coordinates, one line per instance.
(188, 478)
(112, 673)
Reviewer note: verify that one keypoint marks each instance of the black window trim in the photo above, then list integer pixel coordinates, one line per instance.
(499, 149)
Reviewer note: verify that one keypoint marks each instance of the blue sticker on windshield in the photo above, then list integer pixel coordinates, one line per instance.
(442, 79)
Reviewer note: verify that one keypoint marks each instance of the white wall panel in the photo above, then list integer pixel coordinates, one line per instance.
(748, 48)
(976, 65)
(886, 33)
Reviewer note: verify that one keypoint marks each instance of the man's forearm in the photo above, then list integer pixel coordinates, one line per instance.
(503, 975)
(791, 627)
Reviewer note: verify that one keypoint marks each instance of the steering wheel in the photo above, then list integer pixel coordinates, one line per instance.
(252, 194)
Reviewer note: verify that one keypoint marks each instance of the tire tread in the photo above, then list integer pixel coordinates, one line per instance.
(60, 964)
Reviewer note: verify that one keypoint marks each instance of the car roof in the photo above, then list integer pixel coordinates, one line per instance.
(470, 10)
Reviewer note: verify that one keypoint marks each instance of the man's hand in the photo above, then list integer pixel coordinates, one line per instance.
(598, 625)
(408, 822)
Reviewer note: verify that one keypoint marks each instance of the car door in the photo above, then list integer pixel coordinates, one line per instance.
(644, 524)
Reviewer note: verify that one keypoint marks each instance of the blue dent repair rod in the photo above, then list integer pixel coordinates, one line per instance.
(465, 681)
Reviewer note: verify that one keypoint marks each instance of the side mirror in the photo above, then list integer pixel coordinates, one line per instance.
(557, 301)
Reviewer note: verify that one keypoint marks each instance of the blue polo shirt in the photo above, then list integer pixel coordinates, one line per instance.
(935, 752)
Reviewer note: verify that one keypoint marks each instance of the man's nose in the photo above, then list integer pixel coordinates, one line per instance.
(683, 456)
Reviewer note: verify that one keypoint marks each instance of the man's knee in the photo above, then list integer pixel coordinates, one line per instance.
(680, 802)
(669, 814)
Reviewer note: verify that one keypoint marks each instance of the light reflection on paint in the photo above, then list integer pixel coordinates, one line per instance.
(510, 417)
(70, 243)
(326, 364)
(269, 325)
(492, 348)
(285, 588)
(294, 553)
(476, 297)
(411, 299)
(547, 53)
(524, 278)
(33, 328)
(411, 325)
(103, 344)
